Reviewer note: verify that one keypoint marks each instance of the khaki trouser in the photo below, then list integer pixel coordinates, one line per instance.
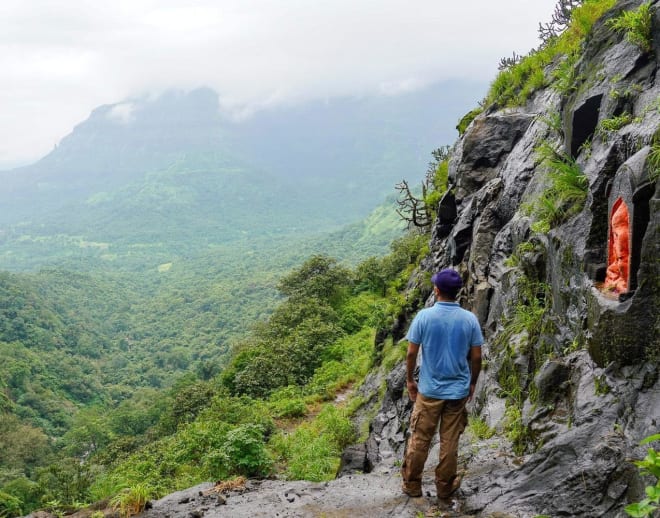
(423, 422)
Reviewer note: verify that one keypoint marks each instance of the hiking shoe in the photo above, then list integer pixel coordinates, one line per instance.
(413, 492)
(455, 484)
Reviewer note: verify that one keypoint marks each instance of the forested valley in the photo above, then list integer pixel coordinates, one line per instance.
(150, 396)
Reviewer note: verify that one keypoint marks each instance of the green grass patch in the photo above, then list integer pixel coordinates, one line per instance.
(467, 119)
(479, 429)
(635, 25)
(515, 430)
(515, 259)
(514, 85)
(313, 450)
(393, 353)
(612, 124)
(347, 361)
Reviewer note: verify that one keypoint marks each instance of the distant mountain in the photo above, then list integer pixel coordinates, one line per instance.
(177, 173)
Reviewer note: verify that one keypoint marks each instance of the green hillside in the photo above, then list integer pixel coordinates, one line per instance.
(93, 361)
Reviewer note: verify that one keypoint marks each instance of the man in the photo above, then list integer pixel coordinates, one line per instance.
(450, 339)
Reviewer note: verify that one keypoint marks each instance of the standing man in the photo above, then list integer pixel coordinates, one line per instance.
(450, 339)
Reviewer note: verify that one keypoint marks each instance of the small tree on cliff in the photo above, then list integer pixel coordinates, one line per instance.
(420, 212)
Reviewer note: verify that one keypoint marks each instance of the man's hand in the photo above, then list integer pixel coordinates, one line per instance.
(411, 362)
(475, 368)
(472, 385)
(412, 390)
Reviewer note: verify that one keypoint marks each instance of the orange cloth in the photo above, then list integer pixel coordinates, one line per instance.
(618, 262)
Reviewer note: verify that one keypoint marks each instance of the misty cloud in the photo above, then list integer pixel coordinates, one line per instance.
(60, 61)
(122, 113)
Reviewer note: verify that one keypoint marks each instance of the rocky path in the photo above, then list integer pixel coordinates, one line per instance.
(351, 496)
(373, 495)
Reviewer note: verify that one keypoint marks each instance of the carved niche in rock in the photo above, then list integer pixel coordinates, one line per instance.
(628, 204)
(618, 254)
(583, 122)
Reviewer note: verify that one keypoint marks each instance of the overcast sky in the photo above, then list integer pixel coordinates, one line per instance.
(60, 59)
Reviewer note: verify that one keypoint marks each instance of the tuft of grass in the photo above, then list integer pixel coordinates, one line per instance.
(467, 119)
(654, 161)
(515, 430)
(479, 428)
(132, 500)
(601, 386)
(523, 248)
(612, 124)
(629, 93)
(566, 193)
(553, 121)
(564, 77)
(635, 25)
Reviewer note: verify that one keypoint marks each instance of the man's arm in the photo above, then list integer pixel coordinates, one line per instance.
(411, 363)
(475, 368)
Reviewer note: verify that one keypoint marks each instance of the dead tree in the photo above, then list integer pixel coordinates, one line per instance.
(506, 63)
(413, 210)
(560, 20)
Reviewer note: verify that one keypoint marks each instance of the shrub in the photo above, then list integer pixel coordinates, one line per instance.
(636, 25)
(246, 451)
(9, 506)
(287, 402)
(67, 481)
(436, 187)
(132, 500)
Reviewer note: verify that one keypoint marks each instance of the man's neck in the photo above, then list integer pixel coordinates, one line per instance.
(441, 297)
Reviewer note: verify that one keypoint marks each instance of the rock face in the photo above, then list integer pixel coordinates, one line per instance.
(572, 370)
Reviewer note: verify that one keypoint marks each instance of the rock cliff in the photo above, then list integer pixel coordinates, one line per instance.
(572, 364)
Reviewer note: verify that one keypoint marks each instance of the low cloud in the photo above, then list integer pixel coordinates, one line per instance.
(255, 53)
(122, 113)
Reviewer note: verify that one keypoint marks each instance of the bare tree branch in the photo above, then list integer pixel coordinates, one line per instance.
(560, 20)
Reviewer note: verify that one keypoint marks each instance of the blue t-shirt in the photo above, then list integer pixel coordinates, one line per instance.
(445, 332)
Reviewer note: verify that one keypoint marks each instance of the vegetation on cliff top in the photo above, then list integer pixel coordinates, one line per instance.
(514, 84)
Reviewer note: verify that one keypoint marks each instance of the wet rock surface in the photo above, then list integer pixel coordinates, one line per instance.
(352, 495)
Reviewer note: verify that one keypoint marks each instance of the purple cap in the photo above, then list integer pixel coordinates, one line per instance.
(448, 281)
